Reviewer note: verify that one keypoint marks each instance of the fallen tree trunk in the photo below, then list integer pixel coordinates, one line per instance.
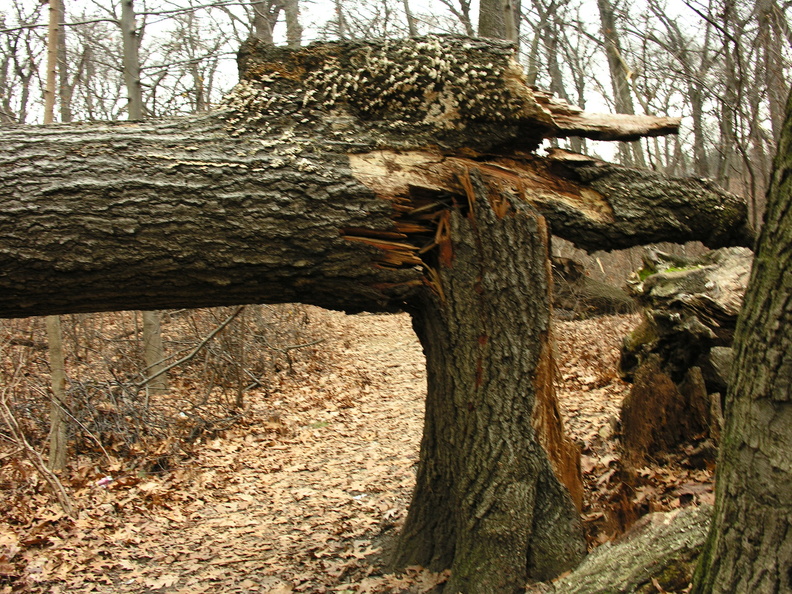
(291, 195)
(211, 219)
(367, 176)
(658, 554)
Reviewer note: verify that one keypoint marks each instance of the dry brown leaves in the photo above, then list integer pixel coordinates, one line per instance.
(306, 493)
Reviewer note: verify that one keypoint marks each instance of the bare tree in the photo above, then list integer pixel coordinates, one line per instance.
(412, 25)
(291, 8)
(22, 48)
(461, 11)
(620, 73)
(130, 36)
(500, 19)
(58, 444)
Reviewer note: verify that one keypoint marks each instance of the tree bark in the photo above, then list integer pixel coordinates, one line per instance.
(619, 78)
(657, 554)
(265, 16)
(365, 176)
(412, 24)
(52, 58)
(153, 351)
(131, 60)
(484, 483)
(58, 446)
(500, 19)
(58, 420)
(291, 9)
(154, 354)
(65, 90)
(749, 548)
(211, 219)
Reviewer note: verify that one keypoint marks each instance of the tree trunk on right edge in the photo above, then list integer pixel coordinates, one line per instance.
(487, 503)
(749, 548)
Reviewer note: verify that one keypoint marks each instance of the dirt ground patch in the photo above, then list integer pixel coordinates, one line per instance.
(305, 493)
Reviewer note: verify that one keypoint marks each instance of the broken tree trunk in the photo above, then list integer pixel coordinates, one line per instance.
(679, 358)
(485, 487)
(367, 176)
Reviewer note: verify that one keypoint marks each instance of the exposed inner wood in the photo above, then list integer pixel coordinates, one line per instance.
(573, 121)
(424, 186)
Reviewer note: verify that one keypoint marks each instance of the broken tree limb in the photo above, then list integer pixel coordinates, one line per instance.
(324, 178)
(573, 121)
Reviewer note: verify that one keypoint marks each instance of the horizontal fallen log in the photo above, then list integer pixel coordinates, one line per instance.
(326, 177)
(658, 554)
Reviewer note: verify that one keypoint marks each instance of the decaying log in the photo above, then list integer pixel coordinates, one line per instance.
(658, 554)
(325, 177)
(679, 357)
(576, 294)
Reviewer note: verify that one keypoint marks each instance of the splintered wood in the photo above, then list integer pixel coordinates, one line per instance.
(424, 187)
(393, 253)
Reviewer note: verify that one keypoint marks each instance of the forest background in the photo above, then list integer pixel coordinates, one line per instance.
(724, 66)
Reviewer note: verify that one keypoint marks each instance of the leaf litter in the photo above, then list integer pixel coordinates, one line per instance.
(307, 492)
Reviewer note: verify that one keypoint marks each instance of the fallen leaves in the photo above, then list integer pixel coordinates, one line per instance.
(307, 491)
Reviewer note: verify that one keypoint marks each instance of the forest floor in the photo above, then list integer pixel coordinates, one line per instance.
(308, 491)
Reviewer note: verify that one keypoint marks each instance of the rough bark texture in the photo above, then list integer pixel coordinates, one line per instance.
(678, 354)
(690, 306)
(647, 205)
(204, 218)
(661, 546)
(258, 202)
(487, 502)
(750, 546)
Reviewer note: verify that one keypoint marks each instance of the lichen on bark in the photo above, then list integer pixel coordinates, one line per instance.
(447, 91)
